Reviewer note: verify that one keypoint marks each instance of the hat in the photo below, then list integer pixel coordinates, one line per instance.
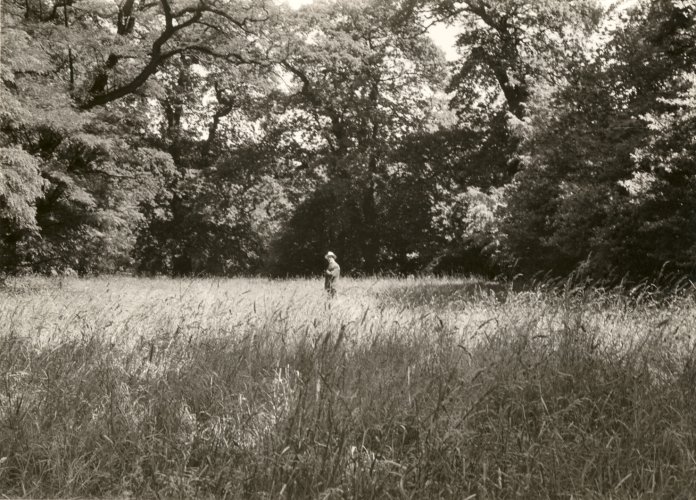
(330, 255)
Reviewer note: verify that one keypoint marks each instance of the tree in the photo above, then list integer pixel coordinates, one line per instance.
(78, 84)
(595, 186)
(366, 82)
(512, 45)
(231, 32)
(94, 169)
(20, 186)
(211, 221)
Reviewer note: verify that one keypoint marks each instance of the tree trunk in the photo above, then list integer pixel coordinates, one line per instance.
(220, 113)
(126, 21)
(9, 258)
(70, 55)
(370, 233)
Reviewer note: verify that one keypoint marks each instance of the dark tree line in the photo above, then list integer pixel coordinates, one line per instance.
(226, 137)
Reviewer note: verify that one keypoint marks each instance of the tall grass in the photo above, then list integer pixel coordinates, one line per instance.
(419, 389)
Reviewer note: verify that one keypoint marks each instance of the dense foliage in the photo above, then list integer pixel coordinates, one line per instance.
(218, 137)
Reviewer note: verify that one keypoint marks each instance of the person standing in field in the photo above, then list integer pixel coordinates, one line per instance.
(331, 275)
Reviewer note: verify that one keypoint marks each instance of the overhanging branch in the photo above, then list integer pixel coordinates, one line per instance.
(193, 15)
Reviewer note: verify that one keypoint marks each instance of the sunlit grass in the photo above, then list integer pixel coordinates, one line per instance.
(419, 388)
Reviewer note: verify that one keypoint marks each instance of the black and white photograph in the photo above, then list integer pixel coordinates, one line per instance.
(348, 249)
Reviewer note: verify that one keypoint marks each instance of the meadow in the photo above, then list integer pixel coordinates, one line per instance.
(428, 388)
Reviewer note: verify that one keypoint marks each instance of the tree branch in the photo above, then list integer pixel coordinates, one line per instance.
(158, 56)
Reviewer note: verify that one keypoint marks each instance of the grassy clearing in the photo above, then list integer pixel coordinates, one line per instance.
(420, 389)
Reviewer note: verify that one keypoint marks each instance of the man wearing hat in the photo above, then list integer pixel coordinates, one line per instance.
(332, 273)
